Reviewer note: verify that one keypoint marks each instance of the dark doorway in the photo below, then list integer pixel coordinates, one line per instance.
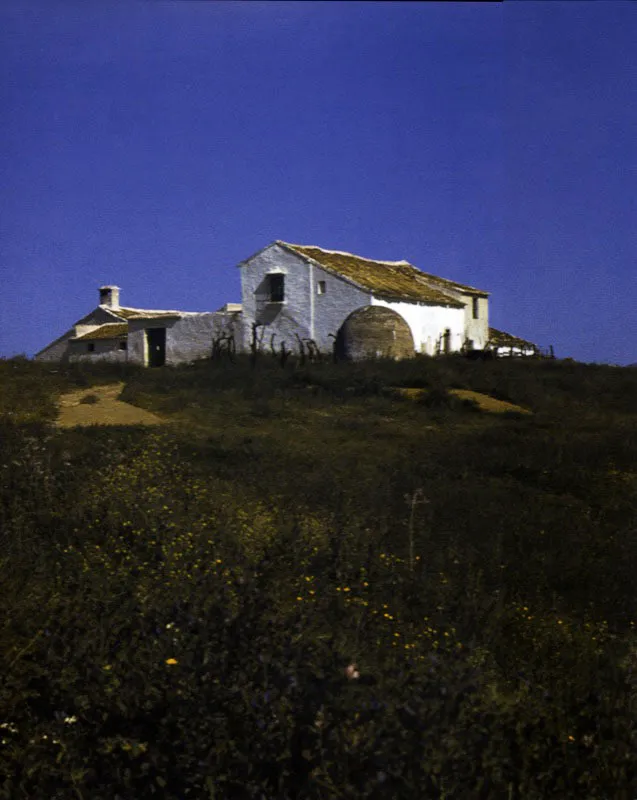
(446, 338)
(156, 340)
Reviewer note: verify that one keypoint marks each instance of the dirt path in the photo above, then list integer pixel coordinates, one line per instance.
(106, 410)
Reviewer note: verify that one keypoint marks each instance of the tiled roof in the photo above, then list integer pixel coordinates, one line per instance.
(502, 339)
(453, 286)
(398, 280)
(110, 330)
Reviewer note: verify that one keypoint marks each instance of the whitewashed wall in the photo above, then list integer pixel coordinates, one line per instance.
(137, 349)
(104, 350)
(59, 349)
(188, 337)
(504, 351)
(334, 307)
(304, 311)
(476, 329)
(428, 322)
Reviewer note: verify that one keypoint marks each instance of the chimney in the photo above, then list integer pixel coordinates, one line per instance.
(109, 296)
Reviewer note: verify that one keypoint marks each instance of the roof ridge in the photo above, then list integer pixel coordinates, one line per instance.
(127, 312)
(400, 263)
(154, 310)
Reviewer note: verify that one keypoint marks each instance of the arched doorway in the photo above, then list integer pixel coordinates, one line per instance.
(374, 332)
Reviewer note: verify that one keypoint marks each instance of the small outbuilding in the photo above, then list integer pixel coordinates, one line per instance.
(506, 345)
(149, 337)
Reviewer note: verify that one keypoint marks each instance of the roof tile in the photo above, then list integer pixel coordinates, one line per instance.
(110, 330)
(393, 279)
(502, 339)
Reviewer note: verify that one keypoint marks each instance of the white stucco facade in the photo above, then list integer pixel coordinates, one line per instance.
(110, 350)
(303, 312)
(188, 337)
(428, 324)
(61, 350)
(506, 351)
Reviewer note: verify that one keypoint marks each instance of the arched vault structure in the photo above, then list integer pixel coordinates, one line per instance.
(374, 332)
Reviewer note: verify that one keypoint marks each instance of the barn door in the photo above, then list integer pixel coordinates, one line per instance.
(156, 340)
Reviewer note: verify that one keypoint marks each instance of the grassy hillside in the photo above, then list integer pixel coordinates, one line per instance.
(308, 586)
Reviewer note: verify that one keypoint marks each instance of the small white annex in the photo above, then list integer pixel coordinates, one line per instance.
(115, 333)
(360, 306)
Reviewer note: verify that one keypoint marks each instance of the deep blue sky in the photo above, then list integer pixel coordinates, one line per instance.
(156, 144)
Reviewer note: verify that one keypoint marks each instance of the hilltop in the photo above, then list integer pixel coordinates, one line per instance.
(305, 584)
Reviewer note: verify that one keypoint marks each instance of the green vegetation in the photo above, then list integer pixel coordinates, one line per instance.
(311, 587)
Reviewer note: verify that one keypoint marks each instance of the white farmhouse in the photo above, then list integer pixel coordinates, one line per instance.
(357, 307)
(360, 306)
(111, 332)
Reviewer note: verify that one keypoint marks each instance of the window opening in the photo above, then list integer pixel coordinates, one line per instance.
(277, 288)
(320, 287)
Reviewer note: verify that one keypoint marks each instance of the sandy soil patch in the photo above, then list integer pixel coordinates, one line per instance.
(106, 410)
(484, 401)
(488, 403)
